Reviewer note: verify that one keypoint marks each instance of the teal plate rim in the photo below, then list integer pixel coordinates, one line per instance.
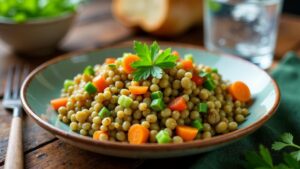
(214, 141)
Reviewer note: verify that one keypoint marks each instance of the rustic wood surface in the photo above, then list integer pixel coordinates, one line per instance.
(96, 28)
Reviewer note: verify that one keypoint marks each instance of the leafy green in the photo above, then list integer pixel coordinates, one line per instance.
(286, 140)
(152, 61)
(23, 10)
(263, 159)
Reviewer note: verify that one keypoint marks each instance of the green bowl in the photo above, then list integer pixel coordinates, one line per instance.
(45, 83)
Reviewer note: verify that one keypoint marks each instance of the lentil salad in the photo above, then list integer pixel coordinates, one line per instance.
(152, 96)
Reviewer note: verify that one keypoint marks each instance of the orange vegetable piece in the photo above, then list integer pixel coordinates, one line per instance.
(100, 83)
(110, 60)
(178, 104)
(138, 134)
(240, 91)
(127, 61)
(97, 134)
(187, 64)
(138, 89)
(56, 103)
(176, 54)
(186, 133)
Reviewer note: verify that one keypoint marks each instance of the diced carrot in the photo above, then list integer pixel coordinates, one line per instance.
(110, 60)
(198, 80)
(186, 133)
(178, 104)
(240, 91)
(127, 61)
(138, 89)
(138, 134)
(175, 53)
(56, 103)
(100, 83)
(97, 134)
(187, 64)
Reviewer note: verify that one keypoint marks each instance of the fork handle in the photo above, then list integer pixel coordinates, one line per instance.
(14, 154)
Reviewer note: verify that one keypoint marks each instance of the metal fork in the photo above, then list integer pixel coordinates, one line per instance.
(11, 100)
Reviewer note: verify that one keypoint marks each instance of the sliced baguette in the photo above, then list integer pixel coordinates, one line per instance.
(160, 17)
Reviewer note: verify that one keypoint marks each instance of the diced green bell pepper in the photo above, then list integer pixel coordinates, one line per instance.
(90, 88)
(157, 104)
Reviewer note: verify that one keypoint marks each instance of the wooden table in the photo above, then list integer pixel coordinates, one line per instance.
(96, 28)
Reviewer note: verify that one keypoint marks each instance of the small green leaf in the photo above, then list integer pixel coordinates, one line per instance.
(254, 160)
(278, 145)
(287, 138)
(157, 72)
(264, 152)
(296, 155)
(291, 162)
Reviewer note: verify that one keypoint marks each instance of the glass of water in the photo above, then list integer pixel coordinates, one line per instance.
(246, 28)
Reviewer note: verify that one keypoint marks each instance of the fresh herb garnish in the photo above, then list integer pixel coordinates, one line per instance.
(152, 61)
(286, 140)
(263, 159)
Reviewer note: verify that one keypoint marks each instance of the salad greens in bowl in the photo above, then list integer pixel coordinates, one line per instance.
(35, 27)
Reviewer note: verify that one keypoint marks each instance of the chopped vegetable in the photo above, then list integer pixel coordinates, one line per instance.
(112, 66)
(90, 88)
(127, 62)
(240, 91)
(151, 62)
(189, 57)
(138, 89)
(175, 53)
(156, 95)
(197, 124)
(198, 80)
(125, 101)
(110, 61)
(157, 104)
(187, 64)
(214, 70)
(68, 83)
(100, 83)
(205, 75)
(138, 134)
(163, 137)
(209, 84)
(186, 133)
(104, 112)
(202, 107)
(57, 103)
(89, 70)
(178, 104)
(97, 134)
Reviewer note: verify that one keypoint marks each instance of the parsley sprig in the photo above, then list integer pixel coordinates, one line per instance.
(152, 61)
(263, 159)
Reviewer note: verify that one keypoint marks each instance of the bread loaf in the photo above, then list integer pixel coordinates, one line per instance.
(159, 17)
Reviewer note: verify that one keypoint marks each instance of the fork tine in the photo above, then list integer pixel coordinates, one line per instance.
(8, 83)
(26, 70)
(17, 80)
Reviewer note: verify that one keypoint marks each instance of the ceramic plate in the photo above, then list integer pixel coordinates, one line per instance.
(46, 81)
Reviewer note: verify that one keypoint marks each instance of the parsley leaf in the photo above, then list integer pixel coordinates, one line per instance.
(296, 155)
(278, 145)
(287, 138)
(263, 159)
(152, 61)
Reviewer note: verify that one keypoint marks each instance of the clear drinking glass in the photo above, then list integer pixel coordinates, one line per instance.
(246, 28)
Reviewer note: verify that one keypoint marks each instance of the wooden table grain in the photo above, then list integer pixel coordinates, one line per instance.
(96, 28)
